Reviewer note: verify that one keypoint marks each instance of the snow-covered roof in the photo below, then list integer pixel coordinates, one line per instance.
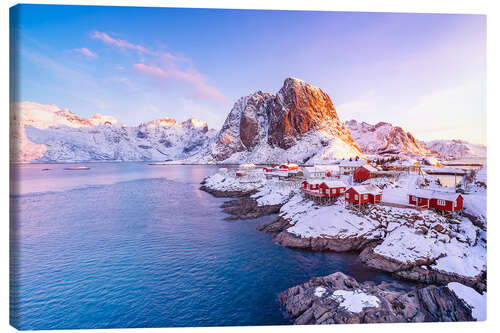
(278, 173)
(334, 183)
(315, 181)
(433, 194)
(289, 165)
(367, 189)
(247, 166)
(370, 168)
(329, 183)
(323, 168)
(352, 163)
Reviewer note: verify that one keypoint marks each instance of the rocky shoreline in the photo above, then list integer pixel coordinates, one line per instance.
(247, 208)
(415, 272)
(226, 194)
(435, 302)
(340, 299)
(243, 207)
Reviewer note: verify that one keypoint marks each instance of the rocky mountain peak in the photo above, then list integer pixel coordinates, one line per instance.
(194, 123)
(281, 120)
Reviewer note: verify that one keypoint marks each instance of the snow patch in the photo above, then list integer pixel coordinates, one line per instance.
(355, 301)
(475, 300)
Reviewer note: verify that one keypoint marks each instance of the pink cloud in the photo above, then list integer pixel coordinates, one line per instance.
(123, 44)
(86, 52)
(198, 81)
(167, 67)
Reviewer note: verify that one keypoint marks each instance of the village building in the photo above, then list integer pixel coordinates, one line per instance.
(288, 167)
(249, 173)
(348, 167)
(283, 174)
(363, 194)
(405, 166)
(438, 200)
(323, 191)
(364, 172)
(321, 171)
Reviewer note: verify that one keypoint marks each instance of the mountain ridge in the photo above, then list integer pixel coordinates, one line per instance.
(298, 123)
(47, 133)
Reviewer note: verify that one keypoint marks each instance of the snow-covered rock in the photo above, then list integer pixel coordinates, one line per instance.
(475, 300)
(47, 133)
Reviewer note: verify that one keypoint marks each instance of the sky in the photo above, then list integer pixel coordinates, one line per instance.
(424, 72)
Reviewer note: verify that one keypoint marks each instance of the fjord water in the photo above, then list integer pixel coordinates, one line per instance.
(136, 245)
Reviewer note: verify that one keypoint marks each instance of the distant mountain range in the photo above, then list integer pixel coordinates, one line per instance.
(384, 138)
(299, 123)
(46, 133)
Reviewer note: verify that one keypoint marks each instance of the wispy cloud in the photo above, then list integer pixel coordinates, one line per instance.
(166, 67)
(123, 44)
(198, 81)
(85, 52)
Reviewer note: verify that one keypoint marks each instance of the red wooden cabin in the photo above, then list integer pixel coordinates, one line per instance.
(363, 173)
(363, 194)
(445, 201)
(311, 185)
(333, 188)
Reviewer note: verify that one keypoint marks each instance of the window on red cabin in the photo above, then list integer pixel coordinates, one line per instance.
(441, 202)
(355, 197)
(365, 196)
(347, 195)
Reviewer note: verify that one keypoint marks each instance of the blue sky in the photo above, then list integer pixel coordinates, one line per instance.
(425, 72)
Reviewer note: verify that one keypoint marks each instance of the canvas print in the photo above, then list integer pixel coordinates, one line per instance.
(221, 167)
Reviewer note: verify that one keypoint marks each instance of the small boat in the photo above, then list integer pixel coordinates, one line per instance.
(78, 168)
(46, 169)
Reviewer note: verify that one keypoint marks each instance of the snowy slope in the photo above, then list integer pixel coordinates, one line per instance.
(385, 138)
(47, 133)
(299, 123)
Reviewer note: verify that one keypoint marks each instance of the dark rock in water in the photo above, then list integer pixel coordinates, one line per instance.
(415, 272)
(288, 239)
(332, 300)
(277, 225)
(247, 208)
(226, 194)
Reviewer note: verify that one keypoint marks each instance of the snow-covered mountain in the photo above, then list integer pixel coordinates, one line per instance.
(457, 149)
(299, 123)
(47, 133)
(385, 138)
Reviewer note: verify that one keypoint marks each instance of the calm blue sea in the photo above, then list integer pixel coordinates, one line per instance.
(135, 245)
